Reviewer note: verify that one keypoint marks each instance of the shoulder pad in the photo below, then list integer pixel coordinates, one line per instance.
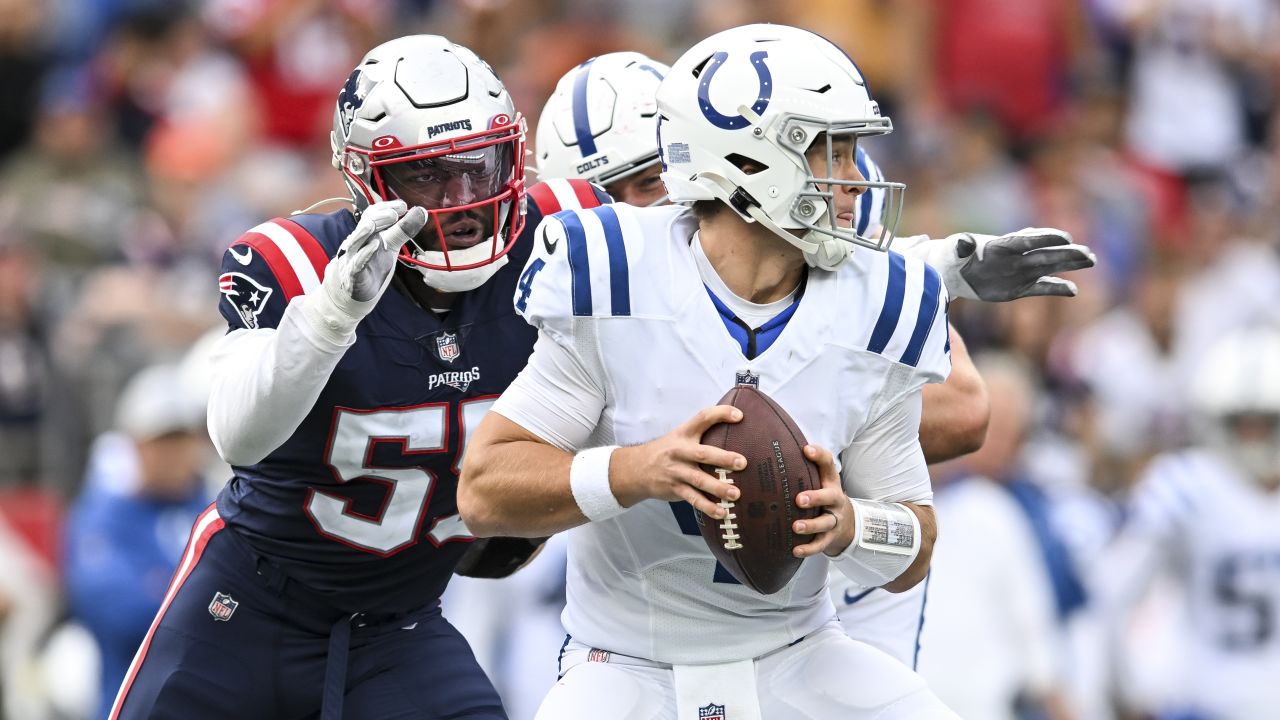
(581, 266)
(551, 196)
(910, 325)
(275, 262)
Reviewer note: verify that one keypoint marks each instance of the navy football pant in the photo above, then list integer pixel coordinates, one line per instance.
(267, 659)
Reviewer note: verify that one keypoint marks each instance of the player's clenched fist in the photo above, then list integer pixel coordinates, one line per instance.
(669, 468)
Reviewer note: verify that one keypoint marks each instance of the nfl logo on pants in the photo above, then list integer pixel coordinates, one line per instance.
(222, 607)
(711, 711)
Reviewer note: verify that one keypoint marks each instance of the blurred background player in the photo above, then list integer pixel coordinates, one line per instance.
(124, 534)
(1206, 517)
(988, 586)
(345, 409)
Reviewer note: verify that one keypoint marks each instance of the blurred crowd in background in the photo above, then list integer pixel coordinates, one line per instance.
(139, 137)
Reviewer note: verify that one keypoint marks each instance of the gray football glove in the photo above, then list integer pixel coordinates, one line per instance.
(361, 270)
(995, 268)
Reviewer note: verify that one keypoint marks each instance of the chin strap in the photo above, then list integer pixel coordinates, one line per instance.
(825, 254)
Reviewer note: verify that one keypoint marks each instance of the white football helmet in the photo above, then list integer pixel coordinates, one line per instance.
(600, 123)
(762, 94)
(1236, 396)
(426, 121)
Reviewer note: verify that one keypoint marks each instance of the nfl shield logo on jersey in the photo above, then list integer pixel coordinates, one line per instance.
(222, 607)
(711, 711)
(447, 347)
(746, 378)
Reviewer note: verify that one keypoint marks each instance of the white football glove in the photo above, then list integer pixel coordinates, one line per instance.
(995, 268)
(361, 271)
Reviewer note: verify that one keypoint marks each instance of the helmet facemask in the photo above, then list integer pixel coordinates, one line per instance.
(472, 188)
(814, 207)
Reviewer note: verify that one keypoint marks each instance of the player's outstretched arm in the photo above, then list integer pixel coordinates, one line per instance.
(998, 268)
(265, 380)
(956, 412)
(516, 484)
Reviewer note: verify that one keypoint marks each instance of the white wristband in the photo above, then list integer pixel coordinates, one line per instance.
(886, 541)
(589, 482)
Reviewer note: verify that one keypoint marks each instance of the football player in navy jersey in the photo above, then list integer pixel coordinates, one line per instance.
(363, 349)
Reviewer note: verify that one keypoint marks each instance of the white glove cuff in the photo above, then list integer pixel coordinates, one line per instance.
(941, 256)
(886, 540)
(589, 482)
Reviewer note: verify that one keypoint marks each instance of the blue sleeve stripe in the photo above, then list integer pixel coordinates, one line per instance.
(892, 309)
(619, 276)
(579, 265)
(924, 321)
(864, 201)
(581, 119)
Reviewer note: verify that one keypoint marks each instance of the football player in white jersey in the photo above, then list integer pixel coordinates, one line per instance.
(598, 125)
(644, 318)
(1210, 515)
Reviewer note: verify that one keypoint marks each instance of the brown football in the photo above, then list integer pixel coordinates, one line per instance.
(755, 540)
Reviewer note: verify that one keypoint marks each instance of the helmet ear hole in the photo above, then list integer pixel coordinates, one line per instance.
(747, 165)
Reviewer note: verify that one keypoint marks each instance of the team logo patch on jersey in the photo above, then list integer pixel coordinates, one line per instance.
(458, 380)
(447, 347)
(597, 655)
(246, 296)
(711, 711)
(222, 607)
(746, 378)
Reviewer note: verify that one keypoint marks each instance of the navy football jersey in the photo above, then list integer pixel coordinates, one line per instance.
(360, 502)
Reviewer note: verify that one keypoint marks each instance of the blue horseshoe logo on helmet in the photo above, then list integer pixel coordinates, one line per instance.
(735, 122)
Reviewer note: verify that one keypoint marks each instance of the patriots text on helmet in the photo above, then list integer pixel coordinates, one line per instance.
(450, 126)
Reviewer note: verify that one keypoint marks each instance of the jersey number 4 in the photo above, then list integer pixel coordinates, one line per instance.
(420, 431)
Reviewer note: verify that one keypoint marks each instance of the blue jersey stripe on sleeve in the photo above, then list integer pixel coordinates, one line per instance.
(619, 275)
(924, 321)
(579, 265)
(892, 309)
(581, 119)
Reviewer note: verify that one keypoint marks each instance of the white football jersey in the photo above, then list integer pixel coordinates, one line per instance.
(618, 288)
(1221, 533)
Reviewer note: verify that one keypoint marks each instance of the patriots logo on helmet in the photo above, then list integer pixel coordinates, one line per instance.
(711, 711)
(246, 295)
(351, 98)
